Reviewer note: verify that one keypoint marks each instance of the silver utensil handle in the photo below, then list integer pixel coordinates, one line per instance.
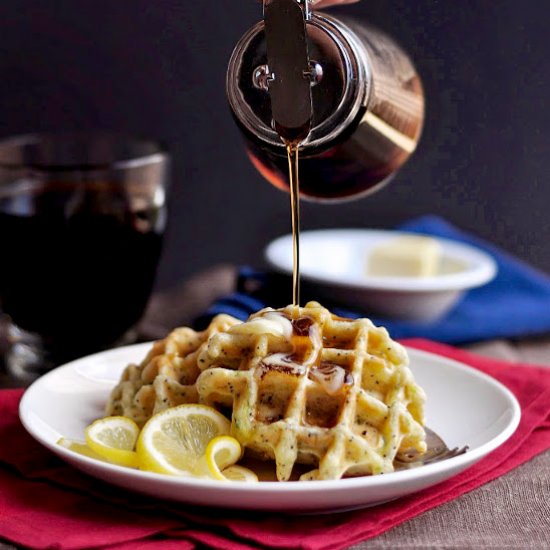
(304, 4)
(288, 62)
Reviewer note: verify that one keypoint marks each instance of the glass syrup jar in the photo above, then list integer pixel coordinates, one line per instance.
(367, 106)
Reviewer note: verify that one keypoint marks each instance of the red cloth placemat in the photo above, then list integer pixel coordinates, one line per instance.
(45, 503)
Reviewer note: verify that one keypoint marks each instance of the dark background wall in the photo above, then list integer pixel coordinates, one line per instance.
(157, 68)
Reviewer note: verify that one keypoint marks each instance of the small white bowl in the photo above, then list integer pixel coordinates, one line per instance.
(336, 261)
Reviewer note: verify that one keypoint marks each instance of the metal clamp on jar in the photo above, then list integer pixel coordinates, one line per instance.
(343, 89)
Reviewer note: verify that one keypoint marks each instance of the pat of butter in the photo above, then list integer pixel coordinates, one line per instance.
(270, 322)
(407, 256)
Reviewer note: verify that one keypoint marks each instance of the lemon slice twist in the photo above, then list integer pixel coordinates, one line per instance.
(79, 447)
(114, 439)
(218, 461)
(240, 473)
(173, 441)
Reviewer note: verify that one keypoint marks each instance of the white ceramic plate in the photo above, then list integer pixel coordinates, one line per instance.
(465, 407)
(336, 260)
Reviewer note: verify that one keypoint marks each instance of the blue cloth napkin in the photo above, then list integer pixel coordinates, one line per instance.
(516, 303)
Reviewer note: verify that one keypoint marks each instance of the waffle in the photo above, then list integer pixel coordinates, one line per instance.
(307, 386)
(167, 375)
(301, 385)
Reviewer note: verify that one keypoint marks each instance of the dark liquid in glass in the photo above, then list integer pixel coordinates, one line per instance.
(81, 264)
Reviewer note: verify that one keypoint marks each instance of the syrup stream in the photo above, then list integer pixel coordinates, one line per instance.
(292, 154)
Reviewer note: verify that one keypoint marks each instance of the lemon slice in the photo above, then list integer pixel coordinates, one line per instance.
(240, 473)
(174, 440)
(114, 438)
(78, 447)
(221, 452)
(218, 461)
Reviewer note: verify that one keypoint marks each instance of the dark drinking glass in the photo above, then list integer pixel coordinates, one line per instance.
(81, 224)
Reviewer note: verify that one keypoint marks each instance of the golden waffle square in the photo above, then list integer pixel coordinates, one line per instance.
(167, 375)
(307, 386)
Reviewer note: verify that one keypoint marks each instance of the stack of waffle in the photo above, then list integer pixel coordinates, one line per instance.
(300, 385)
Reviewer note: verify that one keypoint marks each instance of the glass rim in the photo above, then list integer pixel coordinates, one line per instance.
(158, 155)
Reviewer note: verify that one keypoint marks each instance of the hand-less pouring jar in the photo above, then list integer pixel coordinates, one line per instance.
(364, 100)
